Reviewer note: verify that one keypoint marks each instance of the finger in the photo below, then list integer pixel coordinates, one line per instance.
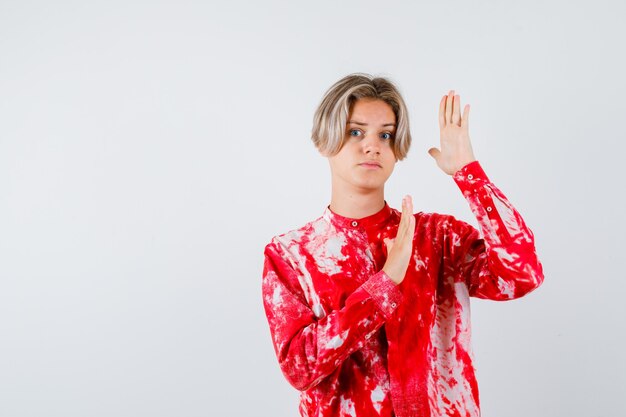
(465, 120)
(409, 205)
(409, 232)
(449, 106)
(401, 216)
(411, 222)
(456, 111)
(442, 112)
(410, 229)
(407, 213)
(388, 246)
(434, 152)
(404, 217)
(405, 209)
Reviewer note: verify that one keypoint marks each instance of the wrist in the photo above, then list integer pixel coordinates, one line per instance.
(393, 274)
(464, 164)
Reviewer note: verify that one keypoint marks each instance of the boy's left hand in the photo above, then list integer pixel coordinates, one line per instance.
(456, 149)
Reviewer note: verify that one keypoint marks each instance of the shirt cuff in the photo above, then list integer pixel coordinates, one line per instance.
(470, 178)
(384, 292)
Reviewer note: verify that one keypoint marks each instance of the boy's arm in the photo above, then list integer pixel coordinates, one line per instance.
(502, 264)
(309, 348)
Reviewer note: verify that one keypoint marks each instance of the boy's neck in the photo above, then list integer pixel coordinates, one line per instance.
(357, 206)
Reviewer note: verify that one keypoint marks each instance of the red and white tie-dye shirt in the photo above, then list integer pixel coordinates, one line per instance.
(356, 344)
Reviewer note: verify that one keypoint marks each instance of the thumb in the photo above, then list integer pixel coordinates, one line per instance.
(387, 246)
(434, 152)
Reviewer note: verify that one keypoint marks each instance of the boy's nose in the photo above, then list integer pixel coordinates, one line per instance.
(371, 145)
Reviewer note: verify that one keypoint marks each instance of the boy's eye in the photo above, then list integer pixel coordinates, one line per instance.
(355, 132)
(386, 135)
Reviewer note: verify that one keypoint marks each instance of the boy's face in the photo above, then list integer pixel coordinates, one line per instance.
(366, 159)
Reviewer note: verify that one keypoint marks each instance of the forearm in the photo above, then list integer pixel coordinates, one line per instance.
(319, 348)
(308, 347)
(507, 266)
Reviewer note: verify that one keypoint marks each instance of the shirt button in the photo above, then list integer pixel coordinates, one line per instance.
(354, 223)
(367, 336)
(393, 305)
(470, 177)
(488, 208)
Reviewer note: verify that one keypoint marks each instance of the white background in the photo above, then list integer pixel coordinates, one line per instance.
(149, 151)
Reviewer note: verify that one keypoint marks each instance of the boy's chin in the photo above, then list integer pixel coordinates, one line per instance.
(370, 186)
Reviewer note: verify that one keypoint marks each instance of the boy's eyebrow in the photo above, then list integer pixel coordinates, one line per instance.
(365, 124)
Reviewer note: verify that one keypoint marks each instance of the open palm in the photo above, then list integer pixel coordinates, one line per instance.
(456, 148)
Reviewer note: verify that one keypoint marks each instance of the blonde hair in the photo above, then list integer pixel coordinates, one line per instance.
(329, 122)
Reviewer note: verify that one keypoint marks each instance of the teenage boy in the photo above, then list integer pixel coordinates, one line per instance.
(368, 307)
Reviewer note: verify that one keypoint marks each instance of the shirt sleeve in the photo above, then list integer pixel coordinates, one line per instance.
(310, 348)
(503, 263)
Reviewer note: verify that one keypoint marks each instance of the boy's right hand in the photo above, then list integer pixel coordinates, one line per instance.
(400, 249)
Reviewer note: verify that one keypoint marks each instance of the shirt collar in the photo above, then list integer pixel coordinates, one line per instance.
(367, 222)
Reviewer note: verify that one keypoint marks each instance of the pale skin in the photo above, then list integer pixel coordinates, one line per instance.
(358, 188)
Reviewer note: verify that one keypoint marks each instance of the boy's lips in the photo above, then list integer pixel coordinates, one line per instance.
(371, 164)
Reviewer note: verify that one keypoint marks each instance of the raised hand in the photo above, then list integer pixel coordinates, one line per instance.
(456, 149)
(400, 249)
